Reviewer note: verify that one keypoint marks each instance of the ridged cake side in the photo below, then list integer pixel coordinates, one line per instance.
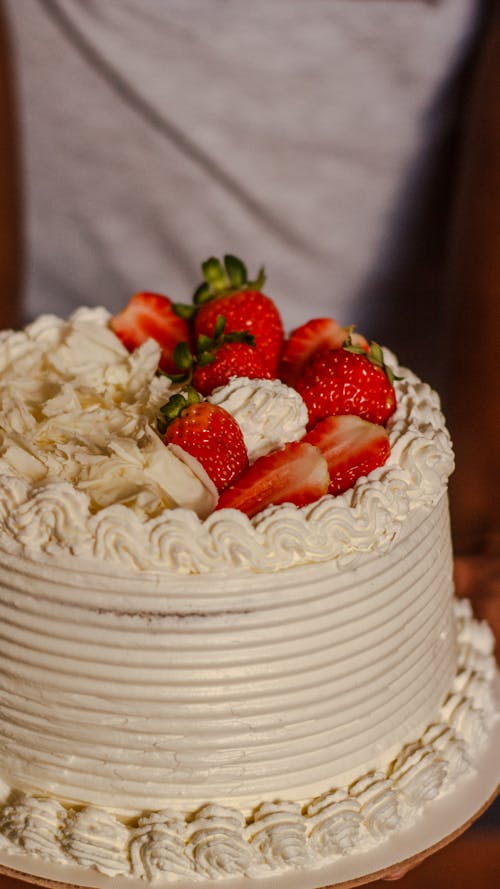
(220, 841)
(138, 692)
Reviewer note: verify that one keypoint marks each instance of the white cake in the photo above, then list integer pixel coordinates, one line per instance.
(215, 696)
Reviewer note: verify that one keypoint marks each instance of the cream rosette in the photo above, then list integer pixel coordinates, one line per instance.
(335, 822)
(158, 847)
(216, 843)
(278, 836)
(94, 838)
(35, 825)
(379, 803)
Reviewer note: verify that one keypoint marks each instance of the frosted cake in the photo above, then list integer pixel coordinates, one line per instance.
(203, 692)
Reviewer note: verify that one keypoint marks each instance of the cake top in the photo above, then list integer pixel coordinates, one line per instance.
(104, 457)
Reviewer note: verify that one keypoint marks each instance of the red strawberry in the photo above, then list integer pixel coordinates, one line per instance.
(226, 291)
(343, 382)
(351, 446)
(298, 473)
(210, 434)
(151, 316)
(232, 359)
(308, 339)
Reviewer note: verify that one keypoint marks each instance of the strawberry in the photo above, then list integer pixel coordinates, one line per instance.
(351, 446)
(207, 432)
(305, 341)
(219, 358)
(230, 360)
(298, 473)
(227, 291)
(151, 316)
(348, 381)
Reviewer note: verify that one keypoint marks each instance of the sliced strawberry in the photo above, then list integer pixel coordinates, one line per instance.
(207, 432)
(151, 316)
(352, 448)
(307, 340)
(298, 473)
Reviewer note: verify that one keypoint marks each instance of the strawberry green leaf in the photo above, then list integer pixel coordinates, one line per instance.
(206, 358)
(236, 271)
(202, 294)
(219, 327)
(214, 274)
(182, 356)
(204, 343)
(259, 281)
(191, 395)
(183, 311)
(240, 336)
(174, 406)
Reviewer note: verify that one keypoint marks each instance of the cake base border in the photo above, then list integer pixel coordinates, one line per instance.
(440, 822)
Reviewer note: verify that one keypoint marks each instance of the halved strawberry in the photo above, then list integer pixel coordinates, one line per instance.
(348, 381)
(151, 316)
(307, 340)
(298, 474)
(352, 448)
(227, 291)
(207, 432)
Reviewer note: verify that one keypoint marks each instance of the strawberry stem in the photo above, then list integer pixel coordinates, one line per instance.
(184, 311)
(223, 278)
(236, 271)
(174, 407)
(375, 355)
(206, 348)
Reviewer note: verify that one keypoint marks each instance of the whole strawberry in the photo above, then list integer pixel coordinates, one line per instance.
(348, 381)
(230, 360)
(218, 358)
(227, 291)
(303, 343)
(151, 316)
(207, 432)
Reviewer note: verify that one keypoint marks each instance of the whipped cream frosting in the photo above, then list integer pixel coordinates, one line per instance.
(268, 412)
(78, 408)
(218, 840)
(318, 710)
(82, 471)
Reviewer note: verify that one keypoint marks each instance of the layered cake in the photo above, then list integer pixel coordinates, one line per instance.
(228, 659)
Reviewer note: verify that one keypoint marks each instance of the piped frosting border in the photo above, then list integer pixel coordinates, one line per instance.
(53, 518)
(218, 841)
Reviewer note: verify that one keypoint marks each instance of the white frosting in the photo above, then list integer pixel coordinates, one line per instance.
(35, 825)
(95, 838)
(128, 479)
(219, 841)
(277, 834)
(379, 806)
(336, 819)
(158, 846)
(77, 407)
(268, 412)
(151, 661)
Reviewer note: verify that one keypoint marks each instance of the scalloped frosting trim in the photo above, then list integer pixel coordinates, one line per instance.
(219, 841)
(43, 520)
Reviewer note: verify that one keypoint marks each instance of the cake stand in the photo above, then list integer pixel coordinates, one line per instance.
(441, 821)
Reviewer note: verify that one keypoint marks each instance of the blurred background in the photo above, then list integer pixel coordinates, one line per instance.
(353, 146)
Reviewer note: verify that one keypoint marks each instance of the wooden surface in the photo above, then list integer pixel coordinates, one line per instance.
(471, 862)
